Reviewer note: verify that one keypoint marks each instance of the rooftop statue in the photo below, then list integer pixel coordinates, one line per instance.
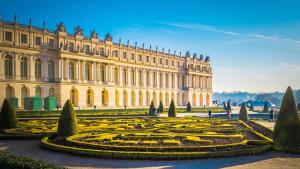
(94, 34)
(195, 56)
(207, 59)
(201, 57)
(78, 31)
(108, 37)
(187, 54)
(61, 27)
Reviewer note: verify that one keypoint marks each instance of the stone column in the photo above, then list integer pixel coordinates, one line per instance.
(2, 67)
(31, 68)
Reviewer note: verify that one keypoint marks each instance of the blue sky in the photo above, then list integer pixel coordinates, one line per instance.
(254, 45)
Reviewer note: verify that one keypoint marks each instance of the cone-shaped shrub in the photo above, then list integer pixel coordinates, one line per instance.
(8, 116)
(172, 109)
(243, 115)
(152, 109)
(266, 108)
(67, 123)
(298, 106)
(161, 107)
(251, 108)
(189, 107)
(286, 131)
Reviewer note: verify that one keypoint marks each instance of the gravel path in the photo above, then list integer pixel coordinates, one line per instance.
(31, 148)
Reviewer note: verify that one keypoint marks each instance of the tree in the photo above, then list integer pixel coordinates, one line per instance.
(8, 116)
(189, 107)
(298, 106)
(152, 109)
(224, 106)
(251, 108)
(172, 109)
(266, 107)
(67, 123)
(161, 107)
(286, 131)
(243, 115)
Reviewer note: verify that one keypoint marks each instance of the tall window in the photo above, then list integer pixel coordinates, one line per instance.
(148, 78)
(87, 71)
(38, 40)
(125, 76)
(24, 38)
(115, 53)
(102, 73)
(71, 46)
(154, 79)
(71, 70)
(51, 70)
(87, 49)
(125, 98)
(38, 69)
(133, 98)
(133, 77)
(116, 75)
(38, 92)
(161, 80)
(140, 58)
(24, 67)
(8, 36)
(167, 80)
(132, 56)
(124, 55)
(90, 97)
(51, 92)
(172, 80)
(140, 98)
(8, 64)
(10, 92)
(140, 78)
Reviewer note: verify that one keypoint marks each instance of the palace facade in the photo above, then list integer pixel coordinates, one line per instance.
(93, 72)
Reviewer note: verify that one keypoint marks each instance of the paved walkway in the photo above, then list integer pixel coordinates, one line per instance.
(31, 148)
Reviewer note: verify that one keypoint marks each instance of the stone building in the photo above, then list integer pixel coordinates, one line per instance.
(94, 72)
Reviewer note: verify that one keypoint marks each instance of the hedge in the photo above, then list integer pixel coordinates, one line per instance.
(13, 161)
(152, 155)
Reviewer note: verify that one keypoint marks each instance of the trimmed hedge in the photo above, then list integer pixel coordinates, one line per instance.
(189, 107)
(8, 116)
(13, 161)
(243, 115)
(172, 109)
(67, 123)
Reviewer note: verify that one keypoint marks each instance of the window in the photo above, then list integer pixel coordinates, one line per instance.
(125, 76)
(115, 53)
(9, 92)
(161, 80)
(38, 40)
(102, 53)
(154, 60)
(102, 73)
(24, 38)
(140, 58)
(51, 70)
(51, 43)
(38, 92)
(147, 59)
(132, 56)
(71, 46)
(140, 78)
(38, 69)
(87, 49)
(172, 62)
(154, 79)
(148, 78)
(124, 55)
(167, 62)
(132, 77)
(160, 61)
(51, 92)
(8, 64)
(8, 36)
(23, 67)
(71, 70)
(167, 80)
(116, 75)
(87, 72)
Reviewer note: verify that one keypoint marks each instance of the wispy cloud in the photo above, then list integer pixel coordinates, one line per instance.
(289, 66)
(211, 28)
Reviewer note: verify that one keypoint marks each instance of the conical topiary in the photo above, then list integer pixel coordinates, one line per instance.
(251, 108)
(152, 109)
(286, 131)
(298, 106)
(243, 115)
(8, 116)
(189, 107)
(172, 109)
(161, 107)
(266, 108)
(67, 123)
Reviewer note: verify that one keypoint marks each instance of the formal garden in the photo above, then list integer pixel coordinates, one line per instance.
(140, 134)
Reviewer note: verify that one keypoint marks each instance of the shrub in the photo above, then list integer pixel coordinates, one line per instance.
(8, 116)
(224, 106)
(266, 108)
(152, 109)
(189, 107)
(161, 107)
(172, 109)
(286, 131)
(67, 123)
(251, 108)
(298, 106)
(243, 115)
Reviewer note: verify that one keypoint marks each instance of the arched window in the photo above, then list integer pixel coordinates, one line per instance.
(74, 97)
(51, 92)
(160, 96)
(9, 92)
(38, 68)
(132, 98)
(51, 70)
(117, 96)
(24, 94)
(194, 99)
(102, 73)
(24, 67)
(116, 75)
(104, 95)
(71, 70)
(133, 77)
(125, 76)
(89, 98)
(140, 98)
(201, 99)
(38, 92)
(87, 72)
(207, 100)
(140, 78)
(167, 99)
(125, 98)
(8, 65)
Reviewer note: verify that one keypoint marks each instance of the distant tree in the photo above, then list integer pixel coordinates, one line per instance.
(8, 116)
(67, 123)
(243, 115)
(286, 134)
(298, 106)
(228, 108)
(224, 106)
(266, 107)
(189, 107)
(275, 98)
(251, 108)
(161, 107)
(152, 109)
(172, 109)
